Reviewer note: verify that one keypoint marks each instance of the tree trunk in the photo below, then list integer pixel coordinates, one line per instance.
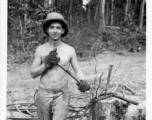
(141, 14)
(77, 19)
(112, 13)
(21, 27)
(70, 13)
(80, 12)
(81, 19)
(88, 14)
(107, 13)
(101, 14)
(126, 9)
(97, 11)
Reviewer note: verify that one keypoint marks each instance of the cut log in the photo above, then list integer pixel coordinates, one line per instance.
(112, 109)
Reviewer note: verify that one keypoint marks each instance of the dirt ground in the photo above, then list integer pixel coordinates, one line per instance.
(130, 71)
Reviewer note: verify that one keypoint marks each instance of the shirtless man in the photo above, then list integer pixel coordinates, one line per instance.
(53, 95)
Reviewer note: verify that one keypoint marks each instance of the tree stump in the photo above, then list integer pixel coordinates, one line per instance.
(108, 110)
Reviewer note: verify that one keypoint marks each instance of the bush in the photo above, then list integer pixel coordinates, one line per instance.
(87, 41)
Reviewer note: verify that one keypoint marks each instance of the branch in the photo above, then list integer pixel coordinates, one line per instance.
(128, 89)
(87, 108)
(108, 79)
(127, 100)
(116, 86)
(95, 71)
(99, 84)
(108, 95)
(117, 67)
(92, 49)
(116, 70)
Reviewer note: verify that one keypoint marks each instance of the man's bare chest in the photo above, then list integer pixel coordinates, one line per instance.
(64, 56)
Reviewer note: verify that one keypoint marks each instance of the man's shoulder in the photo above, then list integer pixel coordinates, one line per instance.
(41, 47)
(69, 47)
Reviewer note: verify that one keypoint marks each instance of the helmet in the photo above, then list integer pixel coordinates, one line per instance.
(55, 17)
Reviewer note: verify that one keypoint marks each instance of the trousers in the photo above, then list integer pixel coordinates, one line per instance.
(52, 105)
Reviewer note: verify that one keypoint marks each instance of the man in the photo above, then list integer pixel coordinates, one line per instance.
(53, 96)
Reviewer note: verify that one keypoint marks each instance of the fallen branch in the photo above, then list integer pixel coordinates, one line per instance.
(127, 100)
(112, 27)
(128, 89)
(103, 96)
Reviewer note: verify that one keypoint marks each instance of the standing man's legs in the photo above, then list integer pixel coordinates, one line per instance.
(60, 106)
(43, 101)
(48, 103)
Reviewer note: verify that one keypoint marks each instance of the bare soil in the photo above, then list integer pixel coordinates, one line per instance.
(129, 70)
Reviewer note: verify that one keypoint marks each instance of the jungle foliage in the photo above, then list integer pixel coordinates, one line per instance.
(97, 25)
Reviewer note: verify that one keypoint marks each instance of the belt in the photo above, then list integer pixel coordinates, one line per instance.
(50, 90)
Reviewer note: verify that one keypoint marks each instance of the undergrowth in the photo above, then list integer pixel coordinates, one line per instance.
(87, 41)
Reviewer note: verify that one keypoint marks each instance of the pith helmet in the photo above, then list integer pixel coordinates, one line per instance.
(55, 17)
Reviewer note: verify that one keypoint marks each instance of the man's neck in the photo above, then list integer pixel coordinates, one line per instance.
(55, 44)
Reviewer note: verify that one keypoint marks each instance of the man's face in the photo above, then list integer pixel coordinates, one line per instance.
(55, 31)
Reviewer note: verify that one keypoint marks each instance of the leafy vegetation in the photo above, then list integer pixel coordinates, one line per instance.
(86, 34)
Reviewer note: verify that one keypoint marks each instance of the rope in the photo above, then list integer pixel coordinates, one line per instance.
(27, 109)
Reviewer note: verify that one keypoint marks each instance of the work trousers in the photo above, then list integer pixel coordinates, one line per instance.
(52, 105)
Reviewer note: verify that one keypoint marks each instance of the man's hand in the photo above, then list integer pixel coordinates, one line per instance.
(83, 86)
(51, 59)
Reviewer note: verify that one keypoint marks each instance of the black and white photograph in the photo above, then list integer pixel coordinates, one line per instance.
(75, 60)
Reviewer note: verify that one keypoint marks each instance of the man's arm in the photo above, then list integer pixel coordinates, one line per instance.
(75, 66)
(37, 67)
(82, 85)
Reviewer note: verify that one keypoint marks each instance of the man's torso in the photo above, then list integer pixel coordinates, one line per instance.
(56, 78)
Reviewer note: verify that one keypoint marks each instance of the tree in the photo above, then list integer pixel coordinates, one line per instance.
(112, 12)
(101, 14)
(70, 12)
(141, 14)
(127, 9)
(107, 12)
